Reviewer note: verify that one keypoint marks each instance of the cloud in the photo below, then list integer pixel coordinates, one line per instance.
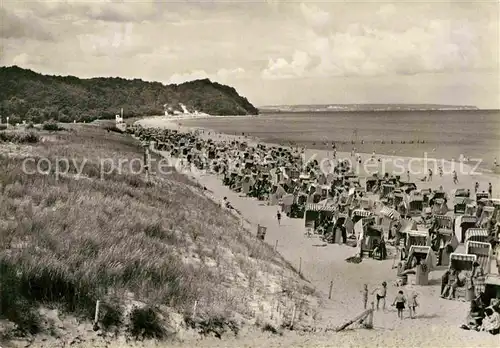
(431, 45)
(21, 26)
(117, 39)
(314, 15)
(104, 10)
(221, 75)
(281, 68)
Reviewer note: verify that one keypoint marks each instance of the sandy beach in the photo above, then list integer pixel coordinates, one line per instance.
(437, 322)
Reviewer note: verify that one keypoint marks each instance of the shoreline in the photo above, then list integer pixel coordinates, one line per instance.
(405, 146)
(482, 166)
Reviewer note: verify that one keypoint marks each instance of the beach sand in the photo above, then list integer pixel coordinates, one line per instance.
(438, 320)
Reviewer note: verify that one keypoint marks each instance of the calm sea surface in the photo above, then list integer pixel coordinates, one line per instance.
(446, 134)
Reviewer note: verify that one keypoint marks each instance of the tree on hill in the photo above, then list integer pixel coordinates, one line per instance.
(27, 95)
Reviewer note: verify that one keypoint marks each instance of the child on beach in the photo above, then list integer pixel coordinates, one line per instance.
(365, 295)
(412, 304)
(381, 293)
(399, 303)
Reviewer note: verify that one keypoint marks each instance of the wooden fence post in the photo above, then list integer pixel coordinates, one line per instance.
(330, 291)
(276, 245)
(369, 323)
(96, 316)
(194, 309)
(300, 266)
(293, 315)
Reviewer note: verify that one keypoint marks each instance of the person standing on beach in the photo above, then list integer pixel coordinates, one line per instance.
(476, 187)
(429, 177)
(381, 293)
(412, 304)
(490, 189)
(278, 216)
(455, 177)
(440, 171)
(408, 175)
(399, 303)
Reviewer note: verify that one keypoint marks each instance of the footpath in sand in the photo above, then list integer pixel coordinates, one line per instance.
(437, 322)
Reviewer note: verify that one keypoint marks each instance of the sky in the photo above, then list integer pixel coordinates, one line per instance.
(273, 52)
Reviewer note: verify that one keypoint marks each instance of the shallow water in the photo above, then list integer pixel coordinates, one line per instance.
(446, 134)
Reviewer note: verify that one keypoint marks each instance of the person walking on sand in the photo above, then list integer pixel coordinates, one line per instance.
(399, 303)
(455, 177)
(278, 216)
(381, 293)
(365, 296)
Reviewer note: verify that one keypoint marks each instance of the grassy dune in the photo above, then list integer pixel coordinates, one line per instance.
(147, 250)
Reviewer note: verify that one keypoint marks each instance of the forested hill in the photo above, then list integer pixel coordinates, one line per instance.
(27, 95)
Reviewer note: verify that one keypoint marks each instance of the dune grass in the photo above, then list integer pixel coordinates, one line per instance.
(69, 240)
(19, 137)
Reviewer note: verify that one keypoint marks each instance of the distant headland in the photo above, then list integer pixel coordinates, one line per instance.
(33, 97)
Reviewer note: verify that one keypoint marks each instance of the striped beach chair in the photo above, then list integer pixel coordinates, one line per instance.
(483, 252)
(481, 195)
(444, 223)
(462, 262)
(426, 253)
(387, 189)
(358, 214)
(416, 202)
(361, 212)
(320, 207)
(389, 213)
(476, 234)
(416, 238)
(462, 224)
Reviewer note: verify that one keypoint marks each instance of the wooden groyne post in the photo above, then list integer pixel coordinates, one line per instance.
(330, 291)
